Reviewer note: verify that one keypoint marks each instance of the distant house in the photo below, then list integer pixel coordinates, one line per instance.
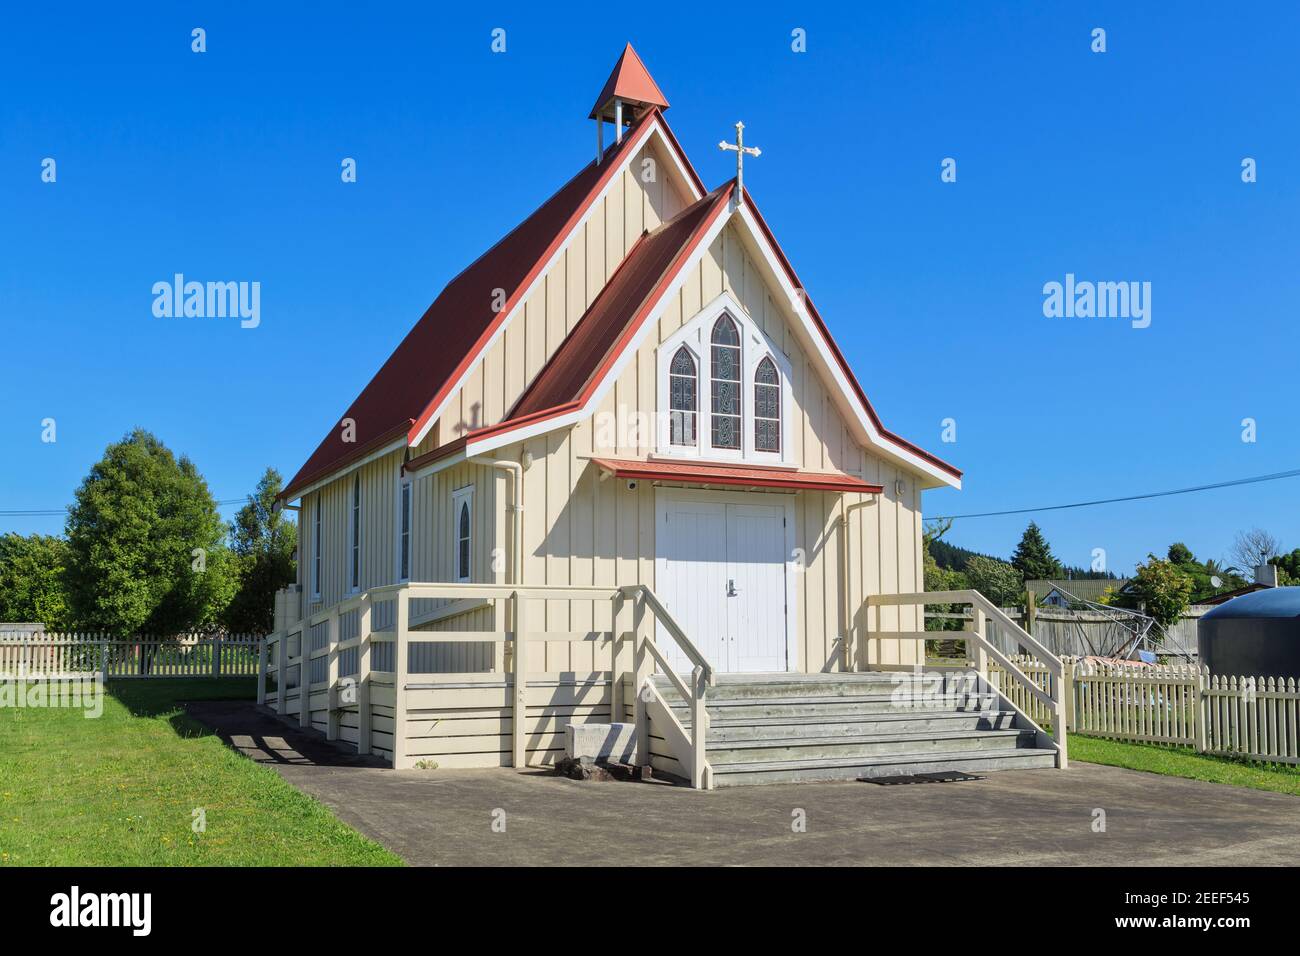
(1066, 593)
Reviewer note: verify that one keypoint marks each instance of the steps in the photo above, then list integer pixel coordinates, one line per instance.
(784, 728)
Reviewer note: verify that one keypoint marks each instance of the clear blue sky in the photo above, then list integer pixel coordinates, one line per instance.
(1117, 166)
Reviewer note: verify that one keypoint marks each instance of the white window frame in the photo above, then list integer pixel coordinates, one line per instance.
(458, 497)
(316, 548)
(353, 537)
(406, 489)
(755, 345)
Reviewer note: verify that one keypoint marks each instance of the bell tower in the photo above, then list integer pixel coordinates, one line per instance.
(628, 94)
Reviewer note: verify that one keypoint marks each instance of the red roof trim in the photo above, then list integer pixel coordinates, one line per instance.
(835, 349)
(631, 81)
(634, 138)
(748, 477)
(442, 451)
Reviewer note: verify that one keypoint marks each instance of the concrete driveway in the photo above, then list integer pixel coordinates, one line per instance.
(1029, 817)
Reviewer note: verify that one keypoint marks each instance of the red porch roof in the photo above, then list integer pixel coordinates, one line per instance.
(699, 473)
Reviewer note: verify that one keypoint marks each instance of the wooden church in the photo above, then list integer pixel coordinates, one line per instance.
(619, 472)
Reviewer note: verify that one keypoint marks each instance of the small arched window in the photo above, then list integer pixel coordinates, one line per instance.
(767, 407)
(725, 420)
(683, 386)
(462, 543)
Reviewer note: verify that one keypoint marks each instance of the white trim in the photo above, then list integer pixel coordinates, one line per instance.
(664, 494)
(459, 497)
(405, 486)
(755, 345)
(442, 464)
(822, 349)
(848, 400)
(667, 147)
(347, 469)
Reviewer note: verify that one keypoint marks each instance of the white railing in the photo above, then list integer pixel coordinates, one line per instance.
(991, 635)
(77, 656)
(305, 657)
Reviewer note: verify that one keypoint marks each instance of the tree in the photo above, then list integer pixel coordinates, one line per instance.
(1164, 590)
(263, 541)
(1288, 568)
(1033, 557)
(1253, 548)
(31, 580)
(939, 578)
(998, 581)
(145, 544)
(1180, 553)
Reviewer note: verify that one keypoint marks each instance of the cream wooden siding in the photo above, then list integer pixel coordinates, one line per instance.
(629, 207)
(378, 529)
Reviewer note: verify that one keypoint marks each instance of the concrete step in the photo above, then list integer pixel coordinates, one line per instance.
(802, 771)
(858, 704)
(726, 729)
(811, 749)
(809, 686)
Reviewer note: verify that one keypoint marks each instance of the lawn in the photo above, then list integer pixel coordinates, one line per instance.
(1181, 762)
(122, 789)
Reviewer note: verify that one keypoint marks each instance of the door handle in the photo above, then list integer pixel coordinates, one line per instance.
(731, 587)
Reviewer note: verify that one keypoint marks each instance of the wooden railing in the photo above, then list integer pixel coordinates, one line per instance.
(305, 656)
(990, 635)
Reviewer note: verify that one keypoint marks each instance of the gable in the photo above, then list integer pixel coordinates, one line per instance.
(437, 357)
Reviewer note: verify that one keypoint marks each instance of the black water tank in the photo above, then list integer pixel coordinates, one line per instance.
(1255, 635)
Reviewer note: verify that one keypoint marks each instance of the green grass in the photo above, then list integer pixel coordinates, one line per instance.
(1182, 762)
(120, 789)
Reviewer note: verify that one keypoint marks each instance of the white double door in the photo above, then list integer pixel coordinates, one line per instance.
(721, 571)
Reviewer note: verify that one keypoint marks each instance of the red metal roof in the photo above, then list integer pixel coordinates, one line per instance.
(630, 81)
(699, 473)
(453, 330)
(618, 310)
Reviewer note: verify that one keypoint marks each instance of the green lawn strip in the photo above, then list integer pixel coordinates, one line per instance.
(1180, 762)
(120, 789)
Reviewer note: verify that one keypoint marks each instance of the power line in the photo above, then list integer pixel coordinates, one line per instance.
(1107, 501)
(53, 512)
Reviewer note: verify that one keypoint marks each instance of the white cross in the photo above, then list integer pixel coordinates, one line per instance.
(741, 149)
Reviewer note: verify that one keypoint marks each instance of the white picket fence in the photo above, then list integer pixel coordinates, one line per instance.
(1257, 718)
(81, 656)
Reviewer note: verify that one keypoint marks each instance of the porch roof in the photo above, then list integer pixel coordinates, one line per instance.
(747, 476)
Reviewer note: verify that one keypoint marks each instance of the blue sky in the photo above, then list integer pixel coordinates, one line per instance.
(1122, 166)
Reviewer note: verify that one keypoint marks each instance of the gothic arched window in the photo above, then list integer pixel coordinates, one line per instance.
(725, 384)
(683, 387)
(767, 407)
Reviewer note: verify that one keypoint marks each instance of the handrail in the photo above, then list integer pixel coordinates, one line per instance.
(674, 629)
(1055, 701)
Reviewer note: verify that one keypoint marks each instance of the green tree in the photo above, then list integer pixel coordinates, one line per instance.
(262, 541)
(1163, 588)
(998, 581)
(939, 578)
(31, 580)
(1288, 568)
(145, 542)
(1034, 558)
(1180, 553)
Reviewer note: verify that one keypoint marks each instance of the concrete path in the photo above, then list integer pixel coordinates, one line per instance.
(1028, 817)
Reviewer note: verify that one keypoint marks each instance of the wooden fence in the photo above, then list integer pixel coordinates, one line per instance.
(1257, 718)
(79, 656)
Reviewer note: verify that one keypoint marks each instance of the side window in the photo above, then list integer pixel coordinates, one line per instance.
(767, 407)
(462, 525)
(354, 536)
(404, 531)
(315, 549)
(683, 389)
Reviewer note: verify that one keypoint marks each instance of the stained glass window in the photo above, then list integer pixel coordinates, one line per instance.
(725, 384)
(462, 543)
(767, 407)
(682, 387)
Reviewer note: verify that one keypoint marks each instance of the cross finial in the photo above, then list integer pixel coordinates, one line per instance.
(741, 149)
